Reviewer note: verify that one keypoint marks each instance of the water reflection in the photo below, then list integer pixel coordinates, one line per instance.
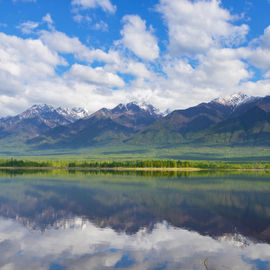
(79, 244)
(103, 220)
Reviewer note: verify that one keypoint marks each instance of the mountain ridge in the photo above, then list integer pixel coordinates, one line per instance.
(236, 119)
(38, 119)
(103, 126)
(197, 124)
(235, 100)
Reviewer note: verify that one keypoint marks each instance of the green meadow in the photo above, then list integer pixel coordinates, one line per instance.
(132, 152)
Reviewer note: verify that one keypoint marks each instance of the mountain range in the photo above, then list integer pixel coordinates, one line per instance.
(235, 120)
(102, 127)
(238, 119)
(37, 120)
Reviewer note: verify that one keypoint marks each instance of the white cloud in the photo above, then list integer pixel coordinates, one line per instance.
(106, 5)
(23, 62)
(260, 58)
(95, 75)
(27, 69)
(196, 26)
(265, 39)
(48, 19)
(198, 66)
(259, 53)
(138, 38)
(28, 27)
(258, 88)
(136, 68)
(219, 72)
(102, 26)
(61, 43)
(26, 58)
(221, 69)
(126, 65)
(267, 75)
(27, 73)
(79, 244)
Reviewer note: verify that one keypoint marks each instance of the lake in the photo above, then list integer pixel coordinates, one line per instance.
(59, 220)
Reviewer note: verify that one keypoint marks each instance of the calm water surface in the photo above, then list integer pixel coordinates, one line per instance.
(83, 220)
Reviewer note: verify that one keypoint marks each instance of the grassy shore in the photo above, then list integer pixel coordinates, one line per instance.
(103, 169)
(174, 165)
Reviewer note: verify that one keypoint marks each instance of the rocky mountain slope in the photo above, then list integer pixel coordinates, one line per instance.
(104, 126)
(38, 119)
(237, 119)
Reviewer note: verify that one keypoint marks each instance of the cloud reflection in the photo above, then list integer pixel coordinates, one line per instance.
(79, 244)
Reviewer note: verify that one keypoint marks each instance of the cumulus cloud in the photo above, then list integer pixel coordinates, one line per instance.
(221, 69)
(257, 88)
(259, 54)
(95, 75)
(27, 72)
(205, 59)
(138, 38)
(135, 68)
(28, 75)
(61, 43)
(106, 5)
(22, 62)
(196, 26)
(26, 58)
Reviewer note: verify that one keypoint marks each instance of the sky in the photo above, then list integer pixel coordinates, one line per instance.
(172, 54)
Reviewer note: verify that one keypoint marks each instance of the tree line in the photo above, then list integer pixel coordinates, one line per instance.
(129, 164)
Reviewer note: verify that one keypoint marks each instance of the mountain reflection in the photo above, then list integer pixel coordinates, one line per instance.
(105, 221)
(79, 244)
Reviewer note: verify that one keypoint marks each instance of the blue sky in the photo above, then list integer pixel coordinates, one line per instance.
(99, 53)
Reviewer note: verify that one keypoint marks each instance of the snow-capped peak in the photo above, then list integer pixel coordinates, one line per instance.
(44, 109)
(234, 100)
(135, 107)
(36, 110)
(39, 107)
(75, 113)
(147, 107)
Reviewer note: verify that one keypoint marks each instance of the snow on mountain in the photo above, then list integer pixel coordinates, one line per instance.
(149, 108)
(235, 99)
(136, 107)
(39, 118)
(36, 110)
(73, 113)
(48, 110)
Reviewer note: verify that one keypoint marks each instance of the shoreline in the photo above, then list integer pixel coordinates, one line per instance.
(191, 169)
(100, 169)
